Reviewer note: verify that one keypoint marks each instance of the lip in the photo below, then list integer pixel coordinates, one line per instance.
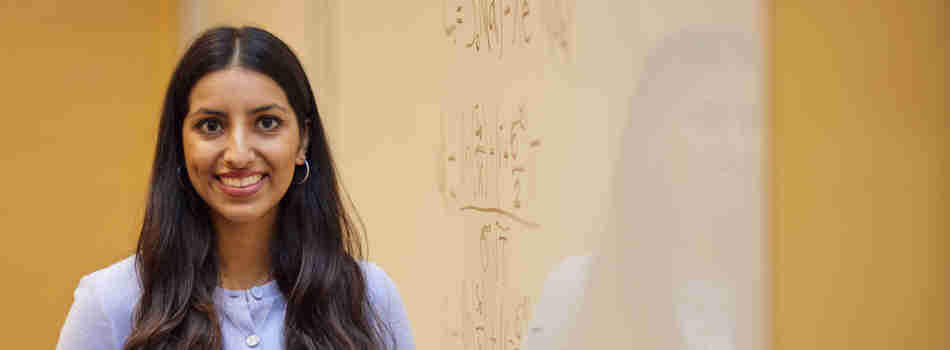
(240, 191)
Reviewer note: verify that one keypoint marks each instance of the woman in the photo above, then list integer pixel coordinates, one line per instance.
(246, 242)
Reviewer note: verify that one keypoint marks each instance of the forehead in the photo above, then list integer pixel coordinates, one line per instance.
(235, 88)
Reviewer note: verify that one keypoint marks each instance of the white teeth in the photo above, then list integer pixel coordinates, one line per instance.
(241, 182)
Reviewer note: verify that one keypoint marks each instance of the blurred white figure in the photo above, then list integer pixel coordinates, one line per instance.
(705, 313)
(560, 302)
(684, 263)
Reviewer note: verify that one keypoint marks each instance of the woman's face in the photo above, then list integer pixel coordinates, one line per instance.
(241, 142)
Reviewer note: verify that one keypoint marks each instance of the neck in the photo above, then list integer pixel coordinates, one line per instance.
(243, 251)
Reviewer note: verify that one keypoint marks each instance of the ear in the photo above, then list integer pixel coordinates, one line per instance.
(304, 144)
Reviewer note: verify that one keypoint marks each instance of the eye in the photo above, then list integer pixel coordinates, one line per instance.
(268, 123)
(210, 126)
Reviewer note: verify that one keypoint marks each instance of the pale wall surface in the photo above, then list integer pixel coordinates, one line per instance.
(82, 87)
(686, 264)
(431, 112)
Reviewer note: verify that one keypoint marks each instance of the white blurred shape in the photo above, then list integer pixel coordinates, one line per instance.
(559, 304)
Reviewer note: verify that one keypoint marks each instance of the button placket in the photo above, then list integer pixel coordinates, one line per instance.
(246, 312)
(238, 312)
(251, 298)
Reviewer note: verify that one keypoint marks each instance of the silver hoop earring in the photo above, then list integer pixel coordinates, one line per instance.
(307, 163)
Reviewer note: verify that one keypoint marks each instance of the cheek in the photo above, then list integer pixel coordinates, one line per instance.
(198, 159)
(282, 157)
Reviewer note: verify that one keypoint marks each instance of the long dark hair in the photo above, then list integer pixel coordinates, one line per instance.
(315, 245)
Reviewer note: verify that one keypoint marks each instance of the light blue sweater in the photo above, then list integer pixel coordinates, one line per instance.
(253, 319)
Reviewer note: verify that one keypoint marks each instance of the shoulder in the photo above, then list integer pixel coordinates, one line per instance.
(116, 288)
(371, 271)
(379, 286)
(381, 290)
(385, 299)
(101, 313)
(120, 278)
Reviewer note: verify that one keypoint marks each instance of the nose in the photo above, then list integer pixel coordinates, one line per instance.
(239, 153)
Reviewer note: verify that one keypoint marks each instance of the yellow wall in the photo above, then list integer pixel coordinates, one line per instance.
(860, 175)
(861, 134)
(81, 91)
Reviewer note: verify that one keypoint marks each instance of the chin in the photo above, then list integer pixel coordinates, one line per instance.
(242, 215)
(241, 218)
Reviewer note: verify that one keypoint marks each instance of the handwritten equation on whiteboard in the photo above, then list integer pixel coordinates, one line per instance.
(492, 25)
(487, 159)
(487, 24)
(494, 315)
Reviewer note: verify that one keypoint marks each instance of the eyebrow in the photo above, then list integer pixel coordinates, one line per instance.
(257, 110)
(267, 107)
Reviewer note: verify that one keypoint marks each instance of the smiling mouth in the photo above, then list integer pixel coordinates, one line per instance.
(241, 182)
